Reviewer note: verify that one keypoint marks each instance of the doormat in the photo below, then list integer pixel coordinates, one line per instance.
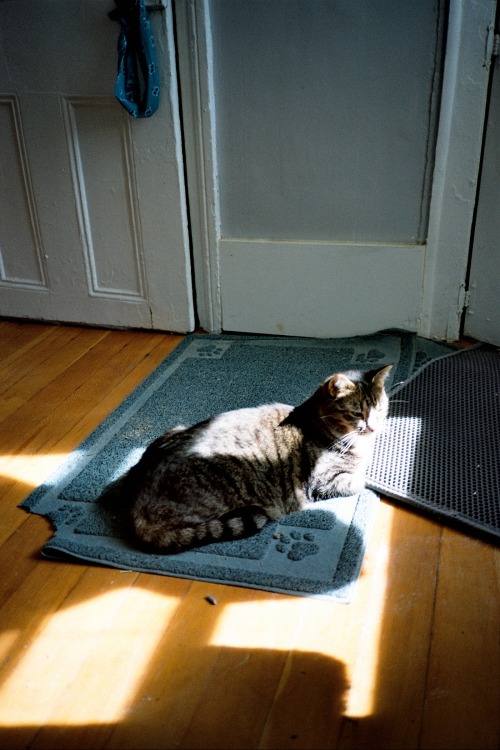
(315, 552)
(440, 450)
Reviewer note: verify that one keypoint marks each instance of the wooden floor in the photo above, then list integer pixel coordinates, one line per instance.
(94, 658)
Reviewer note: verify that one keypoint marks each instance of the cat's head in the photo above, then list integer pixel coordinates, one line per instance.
(354, 401)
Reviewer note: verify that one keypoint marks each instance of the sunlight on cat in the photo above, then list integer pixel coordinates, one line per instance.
(32, 470)
(120, 630)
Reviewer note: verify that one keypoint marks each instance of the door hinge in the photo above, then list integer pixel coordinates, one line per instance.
(492, 46)
(463, 299)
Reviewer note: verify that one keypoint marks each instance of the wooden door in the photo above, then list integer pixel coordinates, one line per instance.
(326, 117)
(93, 221)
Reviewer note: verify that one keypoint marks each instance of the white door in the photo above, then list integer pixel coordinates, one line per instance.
(482, 316)
(332, 152)
(93, 223)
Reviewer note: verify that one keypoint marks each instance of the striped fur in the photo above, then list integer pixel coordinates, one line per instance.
(226, 477)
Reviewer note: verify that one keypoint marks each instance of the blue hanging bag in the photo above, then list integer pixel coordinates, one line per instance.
(137, 85)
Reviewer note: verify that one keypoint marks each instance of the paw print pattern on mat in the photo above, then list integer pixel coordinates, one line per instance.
(210, 349)
(372, 356)
(296, 545)
(66, 515)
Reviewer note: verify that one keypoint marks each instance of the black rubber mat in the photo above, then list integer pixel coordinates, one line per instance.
(440, 450)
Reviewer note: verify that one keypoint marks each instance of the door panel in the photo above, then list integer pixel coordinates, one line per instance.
(323, 122)
(93, 210)
(326, 118)
(319, 288)
(99, 134)
(19, 224)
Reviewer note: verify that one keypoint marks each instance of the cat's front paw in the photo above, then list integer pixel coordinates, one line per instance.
(349, 484)
(344, 485)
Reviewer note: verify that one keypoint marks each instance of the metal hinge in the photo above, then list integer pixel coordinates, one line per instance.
(496, 45)
(492, 46)
(463, 299)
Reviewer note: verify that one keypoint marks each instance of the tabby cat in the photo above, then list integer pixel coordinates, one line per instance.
(225, 477)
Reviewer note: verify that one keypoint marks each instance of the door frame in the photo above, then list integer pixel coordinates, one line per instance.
(468, 54)
(469, 51)
(481, 316)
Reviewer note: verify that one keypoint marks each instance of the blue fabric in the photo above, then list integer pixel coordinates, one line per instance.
(137, 85)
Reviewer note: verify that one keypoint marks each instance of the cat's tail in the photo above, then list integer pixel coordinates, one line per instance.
(235, 524)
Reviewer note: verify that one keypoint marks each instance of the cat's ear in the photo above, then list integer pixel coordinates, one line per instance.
(380, 376)
(339, 385)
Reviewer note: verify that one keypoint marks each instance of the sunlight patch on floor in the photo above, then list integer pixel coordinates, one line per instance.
(32, 470)
(101, 648)
(365, 667)
(364, 671)
(7, 640)
(259, 624)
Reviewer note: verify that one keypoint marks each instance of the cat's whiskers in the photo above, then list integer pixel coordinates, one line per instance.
(345, 442)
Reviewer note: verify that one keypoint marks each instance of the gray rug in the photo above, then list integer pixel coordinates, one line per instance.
(440, 451)
(317, 552)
